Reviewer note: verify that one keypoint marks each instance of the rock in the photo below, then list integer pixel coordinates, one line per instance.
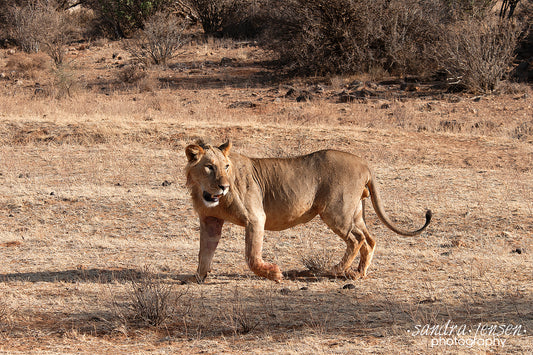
(355, 85)
(285, 291)
(242, 104)
(410, 87)
(291, 93)
(348, 287)
(226, 61)
(305, 96)
(345, 97)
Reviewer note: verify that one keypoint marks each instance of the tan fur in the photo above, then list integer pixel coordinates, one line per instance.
(276, 194)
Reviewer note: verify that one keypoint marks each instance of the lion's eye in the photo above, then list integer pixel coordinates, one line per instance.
(209, 168)
(227, 166)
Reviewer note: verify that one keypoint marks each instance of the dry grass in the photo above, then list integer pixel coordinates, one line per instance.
(84, 204)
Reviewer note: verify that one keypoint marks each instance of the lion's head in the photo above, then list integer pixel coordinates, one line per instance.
(208, 169)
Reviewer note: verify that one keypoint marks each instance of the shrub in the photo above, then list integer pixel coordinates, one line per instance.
(478, 52)
(318, 262)
(131, 73)
(213, 15)
(38, 26)
(242, 319)
(351, 36)
(121, 18)
(162, 36)
(151, 301)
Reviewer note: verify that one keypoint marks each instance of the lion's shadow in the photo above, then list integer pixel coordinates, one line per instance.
(127, 274)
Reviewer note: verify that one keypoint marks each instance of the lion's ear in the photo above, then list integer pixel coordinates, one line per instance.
(225, 148)
(194, 152)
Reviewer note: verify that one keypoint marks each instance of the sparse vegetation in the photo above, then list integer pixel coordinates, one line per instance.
(152, 301)
(318, 262)
(157, 43)
(92, 186)
(478, 52)
(241, 318)
(121, 18)
(213, 15)
(344, 37)
(39, 26)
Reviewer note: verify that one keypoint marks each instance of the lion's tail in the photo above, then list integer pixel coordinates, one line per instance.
(376, 202)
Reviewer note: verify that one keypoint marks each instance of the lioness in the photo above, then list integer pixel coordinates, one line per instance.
(276, 194)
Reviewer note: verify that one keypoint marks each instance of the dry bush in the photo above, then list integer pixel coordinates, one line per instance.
(213, 15)
(318, 261)
(162, 36)
(39, 26)
(150, 301)
(478, 52)
(131, 73)
(345, 36)
(64, 82)
(121, 18)
(242, 319)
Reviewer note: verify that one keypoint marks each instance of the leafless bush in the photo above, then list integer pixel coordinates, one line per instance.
(241, 318)
(151, 301)
(162, 36)
(64, 82)
(351, 36)
(37, 26)
(214, 14)
(131, 73)
(121, 18)
(318, 261)
(478, 52)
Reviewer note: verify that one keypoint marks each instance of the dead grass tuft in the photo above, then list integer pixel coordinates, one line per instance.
(149, 301)
(242, 318)
(318, 261)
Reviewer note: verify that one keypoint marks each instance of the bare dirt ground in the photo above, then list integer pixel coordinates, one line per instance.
(93, 195)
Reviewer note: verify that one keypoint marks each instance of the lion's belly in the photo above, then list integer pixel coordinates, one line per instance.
(280, 216)
(278, 225)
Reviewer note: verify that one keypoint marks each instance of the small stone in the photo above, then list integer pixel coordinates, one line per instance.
(242, 104)
(348, 287)
(284, 291)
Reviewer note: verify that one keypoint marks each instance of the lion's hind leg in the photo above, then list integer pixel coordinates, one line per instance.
(352, 236)
(368, 246)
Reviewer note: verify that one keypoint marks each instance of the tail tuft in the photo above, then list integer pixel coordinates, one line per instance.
(429, 214)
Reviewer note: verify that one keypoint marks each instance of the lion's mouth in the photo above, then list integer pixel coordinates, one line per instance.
(211, 198)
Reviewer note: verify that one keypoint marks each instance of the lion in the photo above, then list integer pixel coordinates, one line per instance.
(278, 193)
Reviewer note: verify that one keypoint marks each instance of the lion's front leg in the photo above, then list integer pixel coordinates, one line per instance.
(210, 232)
(254, 249)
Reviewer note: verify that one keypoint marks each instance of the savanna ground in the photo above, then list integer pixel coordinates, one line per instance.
(93, 195)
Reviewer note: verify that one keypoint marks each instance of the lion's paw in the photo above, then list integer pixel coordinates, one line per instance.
(273, 272)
